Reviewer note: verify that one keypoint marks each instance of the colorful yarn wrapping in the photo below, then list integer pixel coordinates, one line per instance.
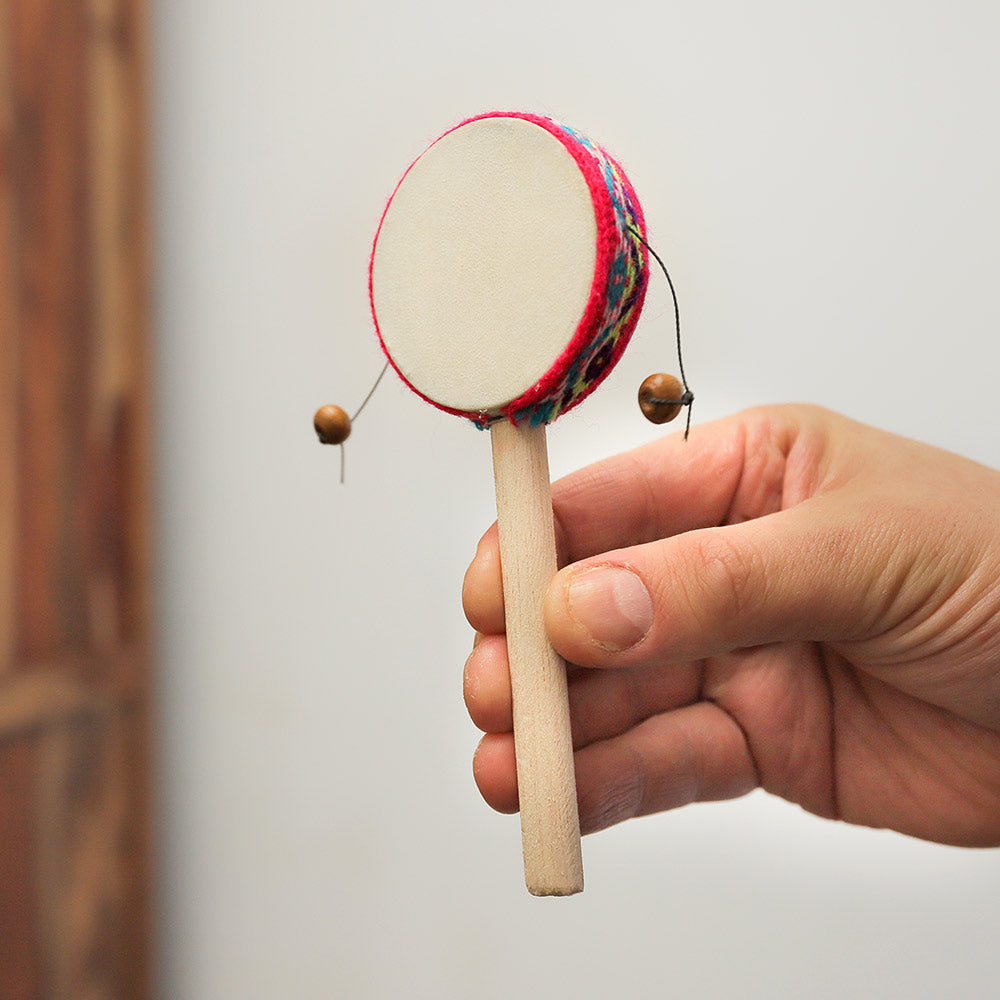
(616, 296)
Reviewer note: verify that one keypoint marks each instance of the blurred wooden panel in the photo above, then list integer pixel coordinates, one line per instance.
(84, 807)
(49, 49)
(75, 629)
(21, 971)
(134, 850)
(9, 396)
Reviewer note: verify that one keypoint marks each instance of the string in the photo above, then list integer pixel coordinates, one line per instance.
(371, 392)
(688, 398)
(364, 403)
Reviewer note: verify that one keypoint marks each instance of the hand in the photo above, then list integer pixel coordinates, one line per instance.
(789, 600)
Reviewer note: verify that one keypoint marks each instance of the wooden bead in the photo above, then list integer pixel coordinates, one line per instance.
(333, 425)
(660, 398)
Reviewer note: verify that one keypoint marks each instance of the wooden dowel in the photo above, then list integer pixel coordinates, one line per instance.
(550, 826)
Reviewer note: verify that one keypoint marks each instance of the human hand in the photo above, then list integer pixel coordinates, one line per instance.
(789, 600)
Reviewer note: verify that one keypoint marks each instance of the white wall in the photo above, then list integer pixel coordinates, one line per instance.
(822, 180)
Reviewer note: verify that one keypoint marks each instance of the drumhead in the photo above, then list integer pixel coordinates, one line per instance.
(484, 263)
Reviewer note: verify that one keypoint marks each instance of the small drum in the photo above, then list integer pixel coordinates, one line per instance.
(507, 276)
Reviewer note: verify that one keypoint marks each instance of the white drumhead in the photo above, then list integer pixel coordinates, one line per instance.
(484, 262)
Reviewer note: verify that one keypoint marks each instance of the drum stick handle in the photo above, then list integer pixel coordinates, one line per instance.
(550, 826)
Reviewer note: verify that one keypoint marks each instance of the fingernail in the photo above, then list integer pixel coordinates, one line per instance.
(612, 604)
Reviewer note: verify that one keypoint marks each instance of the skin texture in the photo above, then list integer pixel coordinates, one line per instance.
(822, 621)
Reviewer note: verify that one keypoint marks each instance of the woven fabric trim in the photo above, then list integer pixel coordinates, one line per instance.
(607, 326)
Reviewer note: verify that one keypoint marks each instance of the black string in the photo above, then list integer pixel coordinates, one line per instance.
(688, 398)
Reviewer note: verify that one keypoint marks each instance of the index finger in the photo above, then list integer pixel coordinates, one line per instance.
(732, 469)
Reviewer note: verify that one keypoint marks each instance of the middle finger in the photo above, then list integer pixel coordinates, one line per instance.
(603, 703)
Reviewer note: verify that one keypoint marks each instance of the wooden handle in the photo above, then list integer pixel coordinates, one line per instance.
(550, 825)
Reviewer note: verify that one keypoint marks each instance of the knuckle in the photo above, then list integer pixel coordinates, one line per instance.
(727, 576)
(621, 796)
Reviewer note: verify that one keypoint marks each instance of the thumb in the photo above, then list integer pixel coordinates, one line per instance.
(812, 572)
